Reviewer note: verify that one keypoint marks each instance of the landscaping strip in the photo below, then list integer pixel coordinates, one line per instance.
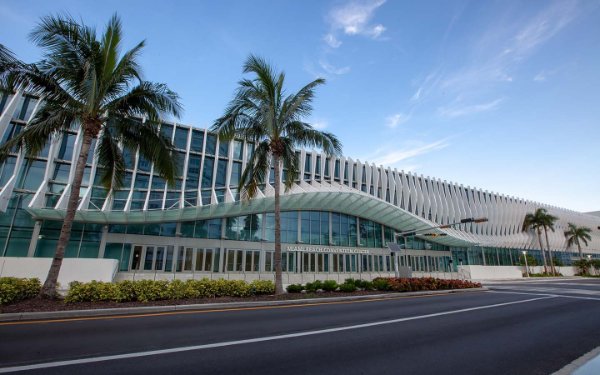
(9, 317)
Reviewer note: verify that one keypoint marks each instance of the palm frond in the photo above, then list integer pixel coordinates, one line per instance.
(110, 158)
(150, 100)
(255, 172)
(305, 135)
(153, 146)
(290, 162)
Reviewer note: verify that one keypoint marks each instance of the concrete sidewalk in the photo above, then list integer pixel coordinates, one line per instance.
(10, 317)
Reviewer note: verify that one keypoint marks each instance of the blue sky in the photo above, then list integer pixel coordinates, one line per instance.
(500, 95)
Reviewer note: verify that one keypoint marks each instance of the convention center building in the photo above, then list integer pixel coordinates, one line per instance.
(339, 218)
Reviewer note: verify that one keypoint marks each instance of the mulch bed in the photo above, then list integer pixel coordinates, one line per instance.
(39, 305)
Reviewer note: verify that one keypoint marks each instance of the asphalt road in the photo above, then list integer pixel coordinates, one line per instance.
(516, 328)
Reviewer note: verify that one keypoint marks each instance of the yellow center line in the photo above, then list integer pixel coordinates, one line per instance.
(166, 313)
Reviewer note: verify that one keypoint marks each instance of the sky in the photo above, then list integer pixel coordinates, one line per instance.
(498, 95)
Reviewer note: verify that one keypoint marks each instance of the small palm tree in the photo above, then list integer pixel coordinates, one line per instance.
(260, 113)
(576, 235)
(536, 222)
(85, 80)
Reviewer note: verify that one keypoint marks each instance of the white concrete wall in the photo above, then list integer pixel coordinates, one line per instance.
(565, 271)
(490, 272)
(73, 269)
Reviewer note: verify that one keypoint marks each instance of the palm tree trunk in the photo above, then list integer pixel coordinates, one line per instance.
(49, 288)
(278, 269)
(549, 253)
(539, 233)
(579, 247)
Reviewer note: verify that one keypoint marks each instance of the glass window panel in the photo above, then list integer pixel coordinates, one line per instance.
(149, 258)
(230, 259)
(6, 170)
(208, 260)
(189, 253)
(197, 140)
(256, 261)
(137, 257)
(141, 181)
(193, 172)
(160, 257)
(236, 173)
(66, 147)
(181, 136)
(248, 262)
(33, 175)
(211, 144)
(207, 173)
(166, 130)
(221, 173)
(169, 259)
(238, 150)
(223, 149)
(199, 259)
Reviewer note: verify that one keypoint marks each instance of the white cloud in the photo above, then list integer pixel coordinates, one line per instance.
(330, 69)
(320, 124)
(540, 77)
(389, 158)
(396, 119)
(462, 110)
(354, 18)
(332, 41)
(499, 51)
(376, 31)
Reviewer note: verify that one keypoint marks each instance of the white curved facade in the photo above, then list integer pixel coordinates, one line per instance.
(207, 189)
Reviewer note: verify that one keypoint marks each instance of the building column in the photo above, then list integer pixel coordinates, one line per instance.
(103, 241)
(34, 238)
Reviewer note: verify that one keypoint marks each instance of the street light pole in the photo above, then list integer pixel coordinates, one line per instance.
(526, 267)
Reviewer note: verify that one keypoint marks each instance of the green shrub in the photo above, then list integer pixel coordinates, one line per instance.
(294, 288)
(262, 287)
(314, 286)
(13, 289)
(347, 287)
(381, 283)
(330, 285)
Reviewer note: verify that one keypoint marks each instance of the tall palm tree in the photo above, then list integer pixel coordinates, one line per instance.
(260, 113)
(85, 80)
(535, 221)
(576, 234)
(548, 223)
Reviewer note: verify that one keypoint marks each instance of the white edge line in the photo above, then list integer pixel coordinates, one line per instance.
(254, 340)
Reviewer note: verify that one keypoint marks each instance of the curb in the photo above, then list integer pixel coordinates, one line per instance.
(12, 317)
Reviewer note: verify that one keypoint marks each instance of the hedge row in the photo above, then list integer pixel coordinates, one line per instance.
(13, 289)
(422, 283)
(383, 284)
(155, 290)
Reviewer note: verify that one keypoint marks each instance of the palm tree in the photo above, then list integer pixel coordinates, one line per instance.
(548, 223)
(536, 222)
(576, 234)
(259, 113)
(85, 80)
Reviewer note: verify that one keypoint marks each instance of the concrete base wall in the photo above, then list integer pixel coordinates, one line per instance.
(565, 271)
(490, 272)
(73, 269)
(506, 272)
(288, 278)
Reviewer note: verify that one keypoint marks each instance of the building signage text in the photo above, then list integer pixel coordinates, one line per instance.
(322, 249)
